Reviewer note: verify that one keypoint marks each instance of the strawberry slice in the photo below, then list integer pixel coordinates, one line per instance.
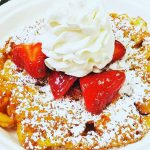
(99, 89)
(119, 51)
(34, 62)
(30, 58)
(17, 55)
(60, 83)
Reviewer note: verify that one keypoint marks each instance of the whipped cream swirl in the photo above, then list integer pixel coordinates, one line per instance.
(80, 37)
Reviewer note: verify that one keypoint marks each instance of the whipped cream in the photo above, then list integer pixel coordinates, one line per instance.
(79, 37)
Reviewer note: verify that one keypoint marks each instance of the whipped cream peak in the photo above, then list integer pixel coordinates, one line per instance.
(79, 37)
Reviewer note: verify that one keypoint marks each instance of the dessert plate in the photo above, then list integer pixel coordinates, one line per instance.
(24, 13)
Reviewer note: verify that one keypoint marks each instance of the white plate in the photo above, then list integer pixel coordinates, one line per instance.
(18, 13)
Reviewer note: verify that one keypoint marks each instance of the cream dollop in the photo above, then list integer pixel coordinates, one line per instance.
(80, 37)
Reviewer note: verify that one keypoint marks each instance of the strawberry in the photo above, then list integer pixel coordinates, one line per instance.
(99, 89)
(18, 54)
(60, 83)
(30, 58)
(119, 51)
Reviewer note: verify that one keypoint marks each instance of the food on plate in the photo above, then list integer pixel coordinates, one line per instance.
(60, 83)
(6, 121)
(77, 81)
(119, 51)
(99, 90)
(143, 107)
(30, 58)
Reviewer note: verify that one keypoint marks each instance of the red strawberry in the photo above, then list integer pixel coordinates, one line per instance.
(18, 55)
(60, 83)
(31, 58)
(34, 62)
(100, 89)
(119, 51)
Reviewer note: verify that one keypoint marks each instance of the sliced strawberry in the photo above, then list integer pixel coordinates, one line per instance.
(31, 58)
(60, 83)
(100, 89)
(18, 55)
(119, 51)
(34, 62)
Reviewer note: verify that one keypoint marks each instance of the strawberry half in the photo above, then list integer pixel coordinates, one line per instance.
(119, 51)
(99, 89)
(30, 58)
(60, 83)
(18, 54)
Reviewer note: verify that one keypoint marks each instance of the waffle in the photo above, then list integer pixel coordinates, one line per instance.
(27, 104)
